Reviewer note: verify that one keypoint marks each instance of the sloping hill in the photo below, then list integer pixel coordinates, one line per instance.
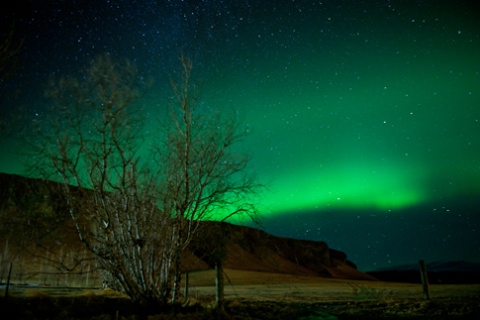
(42, 240)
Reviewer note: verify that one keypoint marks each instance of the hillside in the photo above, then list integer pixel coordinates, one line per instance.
(38, 237)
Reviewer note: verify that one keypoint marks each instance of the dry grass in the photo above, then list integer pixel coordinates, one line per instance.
(258, 286)
(256, 295)
(37, 294)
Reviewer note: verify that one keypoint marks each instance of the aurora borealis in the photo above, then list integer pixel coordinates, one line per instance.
(363, 116)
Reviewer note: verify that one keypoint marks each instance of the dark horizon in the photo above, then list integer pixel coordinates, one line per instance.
(370, 238)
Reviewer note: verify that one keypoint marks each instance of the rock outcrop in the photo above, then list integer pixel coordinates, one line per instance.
(35, 233)
(251, 249)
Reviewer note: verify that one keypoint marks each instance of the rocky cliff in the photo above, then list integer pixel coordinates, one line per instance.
(38, 237)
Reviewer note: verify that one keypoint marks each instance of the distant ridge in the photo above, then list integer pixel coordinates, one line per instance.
(438, 266)
(438, 272)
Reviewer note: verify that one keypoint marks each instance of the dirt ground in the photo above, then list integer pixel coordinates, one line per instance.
(253, 295)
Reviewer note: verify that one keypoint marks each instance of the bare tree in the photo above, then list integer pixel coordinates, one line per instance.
(204, 176)
(137, 218)
(90, 141)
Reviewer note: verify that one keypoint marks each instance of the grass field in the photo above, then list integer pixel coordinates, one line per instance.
(256, 295)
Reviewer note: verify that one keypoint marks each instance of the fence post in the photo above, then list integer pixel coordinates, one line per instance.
(185, 292)
(423, 275)
(8, 281)
(219, 285)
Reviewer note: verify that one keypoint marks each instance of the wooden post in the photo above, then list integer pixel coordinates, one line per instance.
(8, 281)
(185, 292)
(423, 275)
(219, 285)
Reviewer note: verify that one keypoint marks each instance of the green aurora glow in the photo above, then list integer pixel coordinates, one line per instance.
(382, 133)
(346, 110)
(363, 116)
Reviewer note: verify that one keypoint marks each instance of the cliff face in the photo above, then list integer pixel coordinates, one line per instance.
(252, 249)
(38, 237)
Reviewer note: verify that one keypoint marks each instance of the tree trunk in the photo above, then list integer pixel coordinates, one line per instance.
(176, 283)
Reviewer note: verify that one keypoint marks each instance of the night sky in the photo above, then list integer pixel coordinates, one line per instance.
(363, 116)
